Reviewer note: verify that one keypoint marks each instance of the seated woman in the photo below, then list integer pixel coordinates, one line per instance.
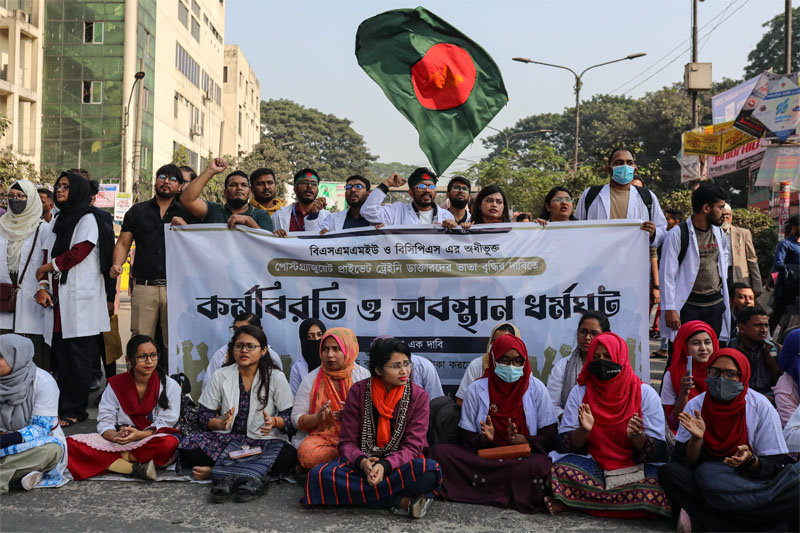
(611, 440)
(135, 420)
(220, 357)
(33, 449)
(697, 340)
(317, 410)
(564, 375)
(383, 435)
(558, 205)
(310, 331)
(477, 367)
(246, 406)
(787, 395)
(507, 406)
(730, 448)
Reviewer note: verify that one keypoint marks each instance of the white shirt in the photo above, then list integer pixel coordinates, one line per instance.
(425, 376)
(474, 371)
(536, 405)
(555, 383)
(668, 395)
(296, 375)
(600, 209)
(652, 415)
(398, 213)
(29, 316)
(110, 413)
(46, 404)
(677, 280)
(283, 217)
(302, 400)
(792, 432)
(764, 434)
(223, 393)
(218, 359)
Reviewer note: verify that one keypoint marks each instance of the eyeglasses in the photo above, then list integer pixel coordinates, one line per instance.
(245, 346)
(398, 366)
(517, 361)
(172, 179)
(307, 183)
(356, 186)
(715, 372)
(422, 187)
(63, 186)
(459, 188)
(562, 199)
(17, 196)
(142, 357)
(588, 333)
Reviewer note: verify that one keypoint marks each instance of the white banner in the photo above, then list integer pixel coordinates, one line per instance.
(440, 292)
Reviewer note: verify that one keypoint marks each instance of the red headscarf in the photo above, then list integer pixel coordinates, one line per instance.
(505, 399)
(726, 424)
(680, 356)
(124, 387)
(613, 403)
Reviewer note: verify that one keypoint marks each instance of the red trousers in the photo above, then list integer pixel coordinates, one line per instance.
(85, 461)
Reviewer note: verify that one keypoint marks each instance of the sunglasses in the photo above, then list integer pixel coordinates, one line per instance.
(356, 186)
(422, 187)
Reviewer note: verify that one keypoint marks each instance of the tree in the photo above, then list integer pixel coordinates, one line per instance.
(4, 124)
(12, 168)
(266, 154)
(381, 171)
(313, 139)
(769, 51)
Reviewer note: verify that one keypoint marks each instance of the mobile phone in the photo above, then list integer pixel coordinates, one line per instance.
(689, 365)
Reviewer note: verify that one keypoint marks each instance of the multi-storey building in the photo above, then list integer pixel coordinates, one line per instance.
(241, 104)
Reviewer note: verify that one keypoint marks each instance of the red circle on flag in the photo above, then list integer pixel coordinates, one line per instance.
(444, 77)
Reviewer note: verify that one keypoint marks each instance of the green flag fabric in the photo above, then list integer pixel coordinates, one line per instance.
(446, 85)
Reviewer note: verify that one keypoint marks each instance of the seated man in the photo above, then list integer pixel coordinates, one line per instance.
(33, 449)
(751, 340)
(421, 210)
(236, 209)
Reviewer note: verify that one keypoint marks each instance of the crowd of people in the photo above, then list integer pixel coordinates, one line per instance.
(716, 449)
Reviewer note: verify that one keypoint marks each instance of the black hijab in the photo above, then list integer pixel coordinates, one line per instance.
(70, 213)
(309, 348)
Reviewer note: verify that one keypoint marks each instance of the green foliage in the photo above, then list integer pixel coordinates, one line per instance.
(680, 199)
(180, 156)
(313, 139)
(765, 235)
(12, 168)
(381, 171)
(4, 124)
(266, 154)
(768, 53)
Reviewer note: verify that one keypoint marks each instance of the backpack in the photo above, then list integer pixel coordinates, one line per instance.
(644, 192)
(684, 228)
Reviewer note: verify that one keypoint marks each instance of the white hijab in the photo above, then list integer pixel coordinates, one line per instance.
(17, 228)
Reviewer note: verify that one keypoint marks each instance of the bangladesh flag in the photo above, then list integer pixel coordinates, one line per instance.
(446, 85)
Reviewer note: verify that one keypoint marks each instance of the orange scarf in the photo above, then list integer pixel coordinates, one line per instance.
(384, 402)
(333, 386)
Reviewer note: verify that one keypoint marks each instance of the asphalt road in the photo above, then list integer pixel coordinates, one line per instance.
(179, 506)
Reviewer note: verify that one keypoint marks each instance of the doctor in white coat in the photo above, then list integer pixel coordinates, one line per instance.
(697, 287)
(421, 210)
(22, 232)
(76, 255)
(356, 192)
(308, 213)
(619, 200)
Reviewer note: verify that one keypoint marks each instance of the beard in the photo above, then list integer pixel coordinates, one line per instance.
(165, 195)
(726, 226)
(356, 203)
(265, 199)
(237, 203)
(458, 204)
(305, 201)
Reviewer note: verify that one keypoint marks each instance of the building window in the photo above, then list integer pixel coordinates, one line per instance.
(146, 98)
(93, 32)
(92, 92)
(148, 42)
(224, 74)
(183, 14)
(187, 65)
(195, 9)
(240, 122)
(195, 29)
(175, 105)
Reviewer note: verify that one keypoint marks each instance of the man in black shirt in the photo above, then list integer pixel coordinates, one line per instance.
(144, 223)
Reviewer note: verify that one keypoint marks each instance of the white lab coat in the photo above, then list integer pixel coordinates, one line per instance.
(223, 393)
(396, 214)
(29, 316)
(83, 298)
(335, 222)
(110, 412)
(601, 209)
(219, 357)
(535, 404)
(677, 280)
(283, 217)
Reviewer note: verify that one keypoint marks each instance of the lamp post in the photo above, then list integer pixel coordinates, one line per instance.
(578, 84)
(509, 136)
(138, 76)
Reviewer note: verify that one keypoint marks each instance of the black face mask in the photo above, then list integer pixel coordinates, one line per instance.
(17, 206)
(603, 369)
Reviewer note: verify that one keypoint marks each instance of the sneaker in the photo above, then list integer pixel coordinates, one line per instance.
(31, 479)
(145, 471)
(419, 507)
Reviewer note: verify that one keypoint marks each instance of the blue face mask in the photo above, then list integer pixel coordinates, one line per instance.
(623, 174)
(508, 373)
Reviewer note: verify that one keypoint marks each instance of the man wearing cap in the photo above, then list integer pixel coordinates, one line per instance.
(422, 209)
(308, 212)
(356, 191)
(236, 210)
(458, 191)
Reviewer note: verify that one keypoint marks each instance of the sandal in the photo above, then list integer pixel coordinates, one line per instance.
(67, 422)
(419, 507)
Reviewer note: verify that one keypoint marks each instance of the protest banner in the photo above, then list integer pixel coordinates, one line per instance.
(122, 203)
(106, 195)
(441, 292)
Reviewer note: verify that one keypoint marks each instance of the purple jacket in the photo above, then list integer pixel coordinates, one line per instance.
(415, 438)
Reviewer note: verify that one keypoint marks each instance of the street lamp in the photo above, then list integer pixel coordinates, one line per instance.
(578, 84)
(138, 76)
(509, 136)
